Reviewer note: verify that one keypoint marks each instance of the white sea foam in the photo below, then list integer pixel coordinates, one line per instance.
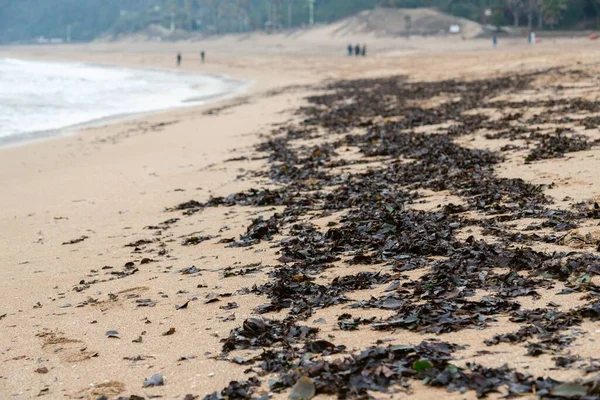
(45, 97)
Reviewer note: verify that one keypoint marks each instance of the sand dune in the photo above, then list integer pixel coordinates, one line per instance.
(385, 22)
(379, 23)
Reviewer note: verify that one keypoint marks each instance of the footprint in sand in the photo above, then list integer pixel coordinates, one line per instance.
(68, 350)
(109, 389)
(115, 300)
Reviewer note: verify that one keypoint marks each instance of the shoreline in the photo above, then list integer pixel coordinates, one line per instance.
(22, 139)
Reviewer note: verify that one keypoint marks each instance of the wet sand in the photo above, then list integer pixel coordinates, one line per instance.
(111, 183)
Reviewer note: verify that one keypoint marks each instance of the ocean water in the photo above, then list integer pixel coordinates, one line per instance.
(39, 98)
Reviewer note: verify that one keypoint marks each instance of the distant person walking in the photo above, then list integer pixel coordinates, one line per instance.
(364, 50)
(495, 41)
(202, 56)
(178, 59)
(357, 50)
(350, 50)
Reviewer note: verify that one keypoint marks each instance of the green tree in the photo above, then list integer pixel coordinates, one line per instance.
(516, 7)
(190, 15)
(552, 11)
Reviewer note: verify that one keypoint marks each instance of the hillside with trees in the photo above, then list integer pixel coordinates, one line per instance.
(76, 20)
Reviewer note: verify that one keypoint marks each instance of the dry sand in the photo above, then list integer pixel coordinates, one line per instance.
(110, 182)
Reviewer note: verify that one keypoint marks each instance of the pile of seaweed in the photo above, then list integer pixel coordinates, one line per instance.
(380, 227)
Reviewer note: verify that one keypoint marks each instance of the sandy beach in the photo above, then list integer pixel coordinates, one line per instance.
(88, 245)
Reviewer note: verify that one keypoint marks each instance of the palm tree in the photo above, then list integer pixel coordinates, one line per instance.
(212, 7)
(243, 10)
(228, 15)
(172, 7)
(276, 13)
(516, 8)
(533, 8)
(190, 14)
